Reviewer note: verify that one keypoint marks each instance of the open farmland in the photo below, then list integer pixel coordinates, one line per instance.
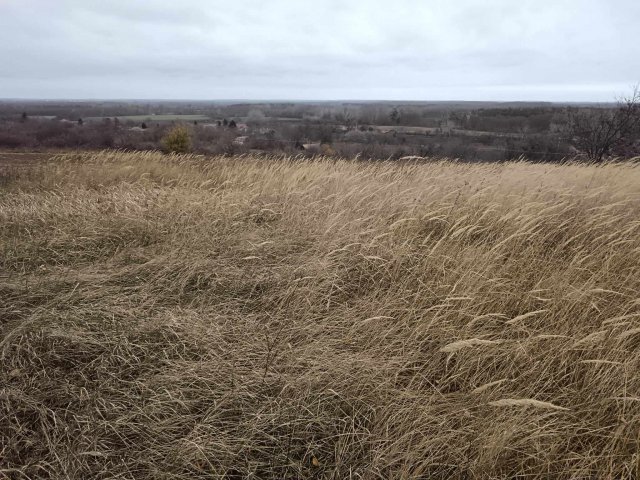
(184, 317)
(156, 118)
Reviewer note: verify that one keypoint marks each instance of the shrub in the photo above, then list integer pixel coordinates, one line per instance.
(177, 140)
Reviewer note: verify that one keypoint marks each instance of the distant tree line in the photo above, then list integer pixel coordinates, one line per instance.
(470, 131)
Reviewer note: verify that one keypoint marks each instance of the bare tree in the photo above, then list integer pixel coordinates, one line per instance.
(596, 132)
(394, 116)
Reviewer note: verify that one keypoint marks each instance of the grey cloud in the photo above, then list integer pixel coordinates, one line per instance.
(361, 49)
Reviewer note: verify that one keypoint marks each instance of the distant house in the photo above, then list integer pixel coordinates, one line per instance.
(242, 127)
(240, 140)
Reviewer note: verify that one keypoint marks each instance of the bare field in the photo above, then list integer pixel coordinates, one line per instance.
(183, 317)
(156, 118)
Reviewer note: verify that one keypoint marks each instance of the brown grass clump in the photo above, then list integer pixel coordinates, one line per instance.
(176, 317)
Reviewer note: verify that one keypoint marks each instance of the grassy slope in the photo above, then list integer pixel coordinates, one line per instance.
(179, 318)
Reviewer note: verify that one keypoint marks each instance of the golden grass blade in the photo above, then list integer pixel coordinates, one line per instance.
(525, 402)
(471, 342)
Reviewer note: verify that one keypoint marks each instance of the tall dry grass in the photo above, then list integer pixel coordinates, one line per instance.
(180, 317)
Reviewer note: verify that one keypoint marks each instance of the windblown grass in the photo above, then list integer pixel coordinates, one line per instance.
(181, 317)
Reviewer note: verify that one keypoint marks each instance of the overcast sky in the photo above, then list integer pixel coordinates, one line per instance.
(573, 50)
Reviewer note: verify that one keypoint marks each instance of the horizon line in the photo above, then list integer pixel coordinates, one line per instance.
(286, 100)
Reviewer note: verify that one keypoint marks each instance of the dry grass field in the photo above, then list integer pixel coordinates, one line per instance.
(190, 318)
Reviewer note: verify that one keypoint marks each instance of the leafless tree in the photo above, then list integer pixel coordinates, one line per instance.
(597, 131)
